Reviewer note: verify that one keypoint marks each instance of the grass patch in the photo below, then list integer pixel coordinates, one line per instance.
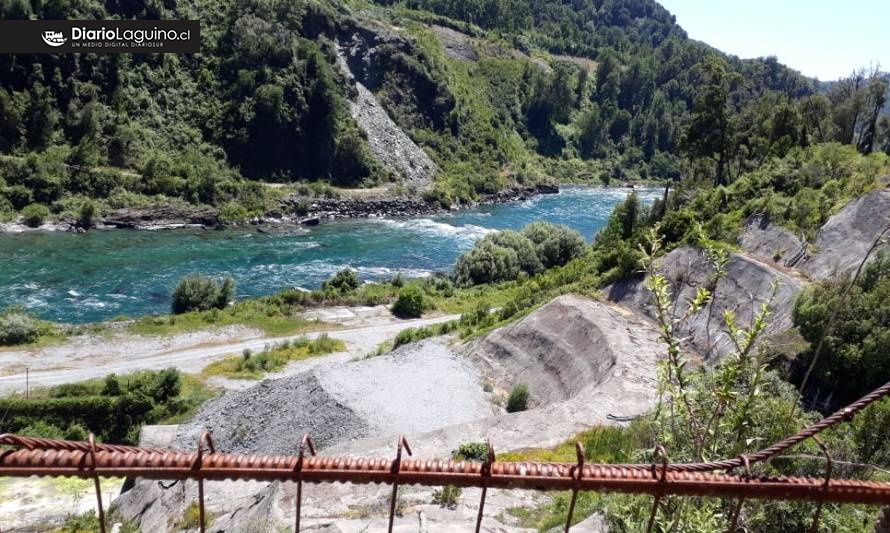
(254, 366)
(602, 444)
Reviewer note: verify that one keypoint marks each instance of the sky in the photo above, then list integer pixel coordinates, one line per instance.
(820, 38)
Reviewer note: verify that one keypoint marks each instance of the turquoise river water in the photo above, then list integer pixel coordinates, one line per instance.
(104, 274)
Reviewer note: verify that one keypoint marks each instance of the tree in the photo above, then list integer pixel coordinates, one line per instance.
(555, 244)
(875, 99)
(201, 293)
(710, 133)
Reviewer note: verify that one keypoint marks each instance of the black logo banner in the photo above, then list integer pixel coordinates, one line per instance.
(100, 36)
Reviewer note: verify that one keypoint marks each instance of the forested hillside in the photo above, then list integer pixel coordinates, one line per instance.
(595, 90)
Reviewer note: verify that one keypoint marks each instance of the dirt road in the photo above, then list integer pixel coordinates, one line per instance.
(90, 357)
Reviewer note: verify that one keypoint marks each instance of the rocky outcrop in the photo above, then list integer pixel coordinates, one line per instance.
(604, 370)
(845, 239)
(568, 345)
(455, 44)
(161, 217)
(747, 285)
(770, 242)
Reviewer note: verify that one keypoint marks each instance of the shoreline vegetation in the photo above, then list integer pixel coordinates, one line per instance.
(293, 209)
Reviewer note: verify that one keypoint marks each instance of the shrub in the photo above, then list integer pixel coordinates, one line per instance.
(471, 451)
(518, 400)
(555, 244)
(17, 327)
(86, 215)
(201, 293)
(504, 256)
(497, 257)
(410, 303)
(448, 496)
(344, 281)
(34, 215)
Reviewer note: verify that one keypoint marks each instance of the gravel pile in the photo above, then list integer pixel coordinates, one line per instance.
(419, 387)
(272, 418)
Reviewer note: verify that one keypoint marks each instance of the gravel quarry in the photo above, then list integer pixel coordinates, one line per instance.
(584, 361)
(346, 401)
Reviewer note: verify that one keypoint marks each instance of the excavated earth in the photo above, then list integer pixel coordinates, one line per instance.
(585, 362)
(747, 285)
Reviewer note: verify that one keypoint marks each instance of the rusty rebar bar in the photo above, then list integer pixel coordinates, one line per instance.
(638, 479)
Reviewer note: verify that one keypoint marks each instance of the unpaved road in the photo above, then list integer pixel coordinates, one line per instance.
(122, 354)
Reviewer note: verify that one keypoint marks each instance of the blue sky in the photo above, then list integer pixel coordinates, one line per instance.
(822, 38)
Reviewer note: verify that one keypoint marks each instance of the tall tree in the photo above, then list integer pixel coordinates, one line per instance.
(710, 133)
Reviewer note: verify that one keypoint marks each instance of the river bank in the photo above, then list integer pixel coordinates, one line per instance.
(293, 210)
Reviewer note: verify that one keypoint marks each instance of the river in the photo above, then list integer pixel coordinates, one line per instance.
(104, 274)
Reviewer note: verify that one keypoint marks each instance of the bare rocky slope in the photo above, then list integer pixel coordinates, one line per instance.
(435, 396)
(770, 242)
(747, 285)
(391, 146)
(845, 239)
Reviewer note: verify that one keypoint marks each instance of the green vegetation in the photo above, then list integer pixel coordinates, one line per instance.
(471, 451)
(848, 328)
(17, 326)
(34, 215)
(592, 92)
(407, 336)
(273, 358)
(114, 408)
(506, 255)
(518, 399)
(345, 281)
(410, 303)
(88, 522)
(200, 293)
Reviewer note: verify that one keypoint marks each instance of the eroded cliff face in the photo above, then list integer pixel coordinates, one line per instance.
(747, 284)
(376, 59)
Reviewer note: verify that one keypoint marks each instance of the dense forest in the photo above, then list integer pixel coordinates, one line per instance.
(595, 90)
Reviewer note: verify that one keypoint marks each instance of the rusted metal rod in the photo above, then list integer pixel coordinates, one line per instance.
(508, 475)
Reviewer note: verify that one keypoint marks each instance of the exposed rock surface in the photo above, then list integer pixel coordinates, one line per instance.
(845, 239)
(567, 345)
(747, 285)
(456, 45)
(390, 145)
(771, 242)
(161, 217)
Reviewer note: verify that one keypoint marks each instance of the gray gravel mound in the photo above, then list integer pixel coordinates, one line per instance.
(419, 387)
(273, 416)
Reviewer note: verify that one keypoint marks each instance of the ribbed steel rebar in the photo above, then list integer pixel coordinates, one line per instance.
(641, 479)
